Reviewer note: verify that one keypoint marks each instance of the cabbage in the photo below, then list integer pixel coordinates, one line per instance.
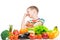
(40, 29)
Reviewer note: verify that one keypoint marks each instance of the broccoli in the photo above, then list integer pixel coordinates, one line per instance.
(4, 34)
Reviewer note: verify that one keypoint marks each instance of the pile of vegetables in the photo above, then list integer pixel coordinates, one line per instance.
(43, 32)
(37, 32)
(40, 32)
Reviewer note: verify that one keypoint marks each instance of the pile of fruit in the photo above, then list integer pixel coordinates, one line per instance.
(37, 32)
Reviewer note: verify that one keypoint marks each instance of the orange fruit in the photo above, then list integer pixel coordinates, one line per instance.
(22, 31)
(26, 30)
(51, 35)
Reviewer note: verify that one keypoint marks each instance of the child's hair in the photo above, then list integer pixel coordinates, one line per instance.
(34, 7)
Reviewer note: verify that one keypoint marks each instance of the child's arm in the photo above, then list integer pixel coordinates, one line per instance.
(23, 25)
(23, 21)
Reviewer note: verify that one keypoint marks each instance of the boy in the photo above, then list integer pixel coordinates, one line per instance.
(32, 12)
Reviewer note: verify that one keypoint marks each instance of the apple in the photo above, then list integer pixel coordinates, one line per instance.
(45, 35)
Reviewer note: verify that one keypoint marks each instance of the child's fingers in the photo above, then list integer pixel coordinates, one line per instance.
(27, 14)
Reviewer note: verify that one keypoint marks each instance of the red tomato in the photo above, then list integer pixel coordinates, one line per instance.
(35, 37)
(15, 32)
(15, 37)
(32, 36)
(11, 37)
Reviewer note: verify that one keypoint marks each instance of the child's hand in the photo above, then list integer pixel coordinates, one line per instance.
(26, 14)
(23, 21)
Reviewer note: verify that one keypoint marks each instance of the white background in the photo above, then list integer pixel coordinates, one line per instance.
(12, 11)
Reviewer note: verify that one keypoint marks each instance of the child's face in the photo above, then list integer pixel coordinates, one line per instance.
(31, 12)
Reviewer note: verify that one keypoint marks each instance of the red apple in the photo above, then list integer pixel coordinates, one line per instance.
(45, 35)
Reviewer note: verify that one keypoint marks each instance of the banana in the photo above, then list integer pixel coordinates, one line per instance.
(55, 31)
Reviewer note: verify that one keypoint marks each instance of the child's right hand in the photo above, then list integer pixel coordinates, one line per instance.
(23, 21)
(26, 14)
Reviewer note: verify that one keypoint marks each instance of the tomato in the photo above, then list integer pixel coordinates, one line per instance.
(15, 32)
(32, 36)
(38, 36)
(11, 37)
(15, 37)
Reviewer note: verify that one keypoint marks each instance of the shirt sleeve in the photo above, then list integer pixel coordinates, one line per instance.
(42, 20)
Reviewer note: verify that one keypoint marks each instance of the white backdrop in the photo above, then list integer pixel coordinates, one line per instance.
(12, 11)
